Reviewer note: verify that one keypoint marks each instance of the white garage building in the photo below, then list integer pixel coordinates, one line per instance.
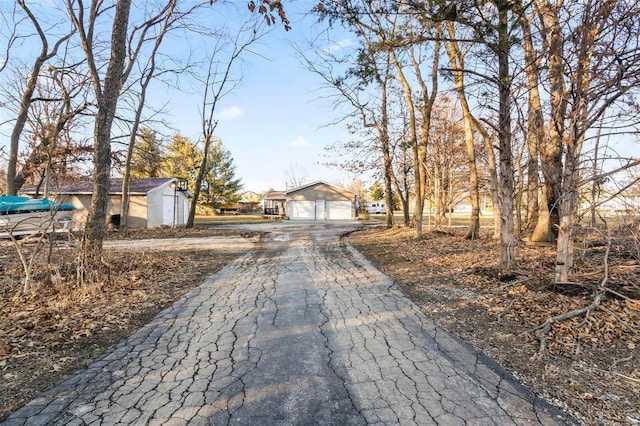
(320, 201)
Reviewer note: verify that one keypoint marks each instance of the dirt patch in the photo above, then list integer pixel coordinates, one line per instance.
(591, 367)
(63, 327)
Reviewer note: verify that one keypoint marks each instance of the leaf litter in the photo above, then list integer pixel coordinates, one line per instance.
(591, 365)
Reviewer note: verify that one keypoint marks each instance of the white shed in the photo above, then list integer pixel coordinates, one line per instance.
(153, 201)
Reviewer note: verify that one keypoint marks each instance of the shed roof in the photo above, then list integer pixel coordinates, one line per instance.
(85, 186)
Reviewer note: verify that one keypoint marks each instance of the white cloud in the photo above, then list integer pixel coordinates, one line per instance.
(335, 47)
(231, 113)
(299, 142)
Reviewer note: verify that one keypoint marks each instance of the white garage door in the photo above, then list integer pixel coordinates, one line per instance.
(303, 210)
(339, 210)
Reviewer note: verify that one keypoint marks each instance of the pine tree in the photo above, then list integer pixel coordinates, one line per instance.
(147, 156)
(182, 159)
(222, 186)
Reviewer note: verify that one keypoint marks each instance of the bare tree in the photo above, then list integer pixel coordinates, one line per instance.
(456, 60)
(168, 17)
(107, 93)
(602, 70)
(372, 67)
(27, 95)
(296, 175)
(219, 82)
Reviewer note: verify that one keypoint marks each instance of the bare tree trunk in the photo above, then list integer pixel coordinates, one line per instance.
(386, 154)
(107, 97)
(519, 190)
(456, 59)
(507, 258)
(415, 145)
(493, 180)
(535, 119)
(594, 183)
(144, 84)
(426, 109)
(568, 207)
(198, 186)
(551, 149)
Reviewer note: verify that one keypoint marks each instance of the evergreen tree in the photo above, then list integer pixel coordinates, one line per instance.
(222, 186)
(147, 156)
(182, 160)
(377, 192)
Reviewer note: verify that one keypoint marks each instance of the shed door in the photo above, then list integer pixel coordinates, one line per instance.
(168, 209)
(302, 210)
(339, 210)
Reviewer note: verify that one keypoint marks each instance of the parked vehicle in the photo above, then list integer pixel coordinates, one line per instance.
(377, 207)
(27, 216)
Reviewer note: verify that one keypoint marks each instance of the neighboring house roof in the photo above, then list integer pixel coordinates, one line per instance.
(272, 194)
(85, 186)
(319, 182)
(249, 197)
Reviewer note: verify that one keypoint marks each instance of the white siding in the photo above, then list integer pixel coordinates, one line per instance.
(321, 210)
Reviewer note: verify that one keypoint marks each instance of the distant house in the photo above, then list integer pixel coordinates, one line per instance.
(273, 203)
(249, 202)
(153, 201)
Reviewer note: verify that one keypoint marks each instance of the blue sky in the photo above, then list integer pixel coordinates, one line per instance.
(273, 121)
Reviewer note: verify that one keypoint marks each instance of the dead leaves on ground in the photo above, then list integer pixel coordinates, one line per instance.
(62, 326)
(457, 282)
(529, 296)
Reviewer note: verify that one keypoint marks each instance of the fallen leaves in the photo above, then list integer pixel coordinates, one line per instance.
(500, 316)
(63, 326)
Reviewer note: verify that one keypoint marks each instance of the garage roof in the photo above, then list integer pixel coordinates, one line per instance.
(319, 182)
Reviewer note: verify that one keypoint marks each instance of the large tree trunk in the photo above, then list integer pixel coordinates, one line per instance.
(535, 120)
(415, 145)
(507, 259)
(456, 59)
(578, 125)
(569, 207)
(551, 150)
(94, 231)
(388, 166)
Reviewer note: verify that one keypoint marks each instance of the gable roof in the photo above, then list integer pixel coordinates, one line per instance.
(272, 194)
(319, 182)
(85, 186)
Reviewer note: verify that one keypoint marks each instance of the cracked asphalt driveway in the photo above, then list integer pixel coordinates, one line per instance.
(301, 330)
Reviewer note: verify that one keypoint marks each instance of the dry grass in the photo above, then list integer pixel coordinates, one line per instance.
(62, 326)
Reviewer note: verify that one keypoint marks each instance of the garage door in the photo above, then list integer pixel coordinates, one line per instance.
(339, 210)
(302, 210)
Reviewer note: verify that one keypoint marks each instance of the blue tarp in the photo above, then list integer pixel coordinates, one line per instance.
(11, 204)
